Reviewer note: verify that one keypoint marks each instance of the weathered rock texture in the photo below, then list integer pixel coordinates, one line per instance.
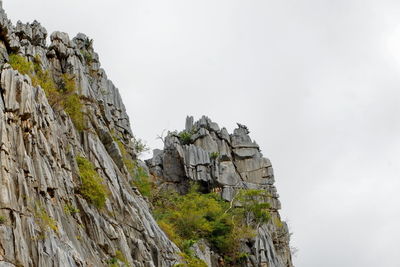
(38, 171)
(39, 181)
(225, 163)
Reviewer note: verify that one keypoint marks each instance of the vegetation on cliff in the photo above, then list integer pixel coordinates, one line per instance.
(61, 94)
(93, 188)
(44, 221)
(118, 259)
(189, 218)
(186, 219)
(188, 260)
(139, 175)
(2, 219)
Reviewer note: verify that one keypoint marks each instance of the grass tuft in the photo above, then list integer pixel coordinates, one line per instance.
(2, 220)
(44, 221)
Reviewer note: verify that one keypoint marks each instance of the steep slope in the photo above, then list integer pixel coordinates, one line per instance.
(68, 165)
(45, 218)
(225, 163)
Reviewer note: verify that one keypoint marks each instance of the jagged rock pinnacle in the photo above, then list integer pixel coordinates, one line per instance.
(224, 163)
(69, 188)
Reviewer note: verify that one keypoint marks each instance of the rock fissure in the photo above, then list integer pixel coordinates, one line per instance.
(16, 211)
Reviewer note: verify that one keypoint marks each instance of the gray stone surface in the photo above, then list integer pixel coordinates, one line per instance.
(202, 251)
(228, 174)
(39, 174)
(195, 155)
(226, 163)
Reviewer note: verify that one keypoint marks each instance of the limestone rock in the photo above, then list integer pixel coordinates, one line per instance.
(47, 221)
(203, 252)
(226, 163)
(228, 174)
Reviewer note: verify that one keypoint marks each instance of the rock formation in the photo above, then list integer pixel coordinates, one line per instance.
(38, 171)
(225, 163)
(45, 220)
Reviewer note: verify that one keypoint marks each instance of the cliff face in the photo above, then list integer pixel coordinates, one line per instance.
(45, 218)
(40, 224)
(225, 163)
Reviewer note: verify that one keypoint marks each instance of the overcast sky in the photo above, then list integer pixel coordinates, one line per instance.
(316, 81)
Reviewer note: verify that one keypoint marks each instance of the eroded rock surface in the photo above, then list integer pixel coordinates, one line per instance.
(38, 172)
(45, 221)
(225, 163)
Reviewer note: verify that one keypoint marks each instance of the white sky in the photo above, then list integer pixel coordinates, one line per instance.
(316, 81)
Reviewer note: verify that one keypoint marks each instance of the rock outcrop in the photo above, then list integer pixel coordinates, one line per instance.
(45, 220)
(39, 174)
(225, 163)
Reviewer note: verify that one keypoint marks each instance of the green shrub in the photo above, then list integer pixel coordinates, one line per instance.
(87, 56)
(139, 145)
(214, 155)
(113, 262)
(194, 216)
(169, 230)
(242, 257)
(253, 206)
(44, 79)
(37, 75)
(44, 221)
(70, 209)
(126, 158)
(60, 96)
(72, 103)
(140, 177)
(142, 181)
(73, 107)
(190, 261)
(119, 257)
(93, 188)
(185, 137)
(2, 220)
(277, 222)
(21, 64)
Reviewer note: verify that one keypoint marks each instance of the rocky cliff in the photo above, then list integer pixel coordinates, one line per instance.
(39, 173)
(67, 166)
(225, 163)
